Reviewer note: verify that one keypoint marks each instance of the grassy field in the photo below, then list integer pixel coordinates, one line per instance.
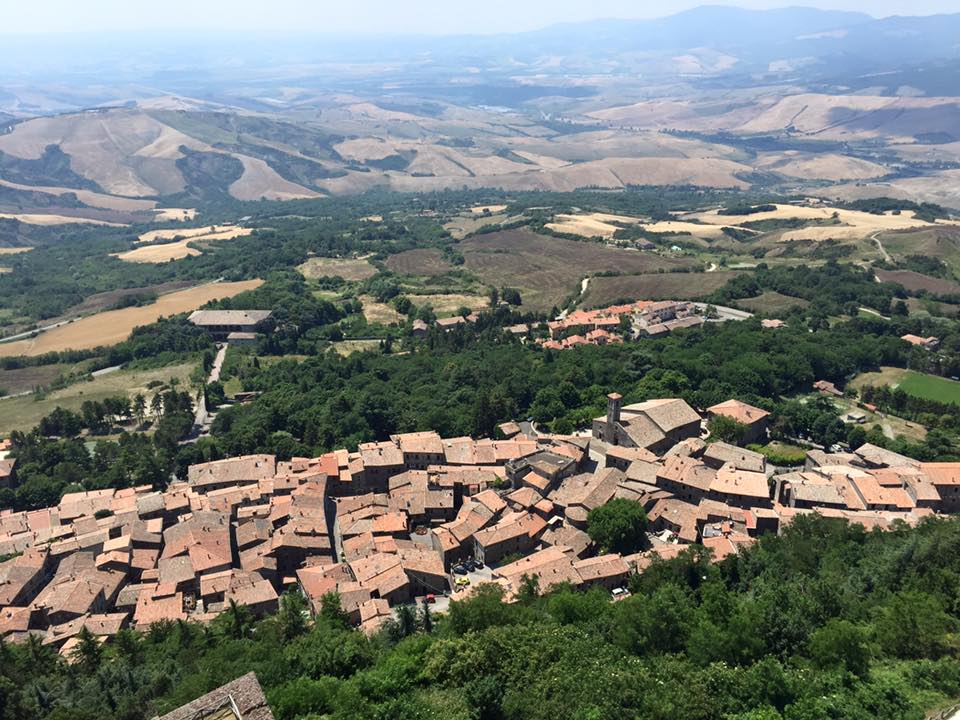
(379, 313)
(771, 303)
(915, 305)
(929, 387)
(885, 376)
(424, 262)
(460, 227)
(348, 347)
(23, 413)
(114, 326)
(350, 269)
(892, 426)
(547, 270)
(605, 291)
(26, 379)
(941, 242)
(449, 304)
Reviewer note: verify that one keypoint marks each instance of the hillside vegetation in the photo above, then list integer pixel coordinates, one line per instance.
(825, 621)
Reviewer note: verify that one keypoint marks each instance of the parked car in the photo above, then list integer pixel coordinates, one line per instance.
(431, 598)
(459, 570)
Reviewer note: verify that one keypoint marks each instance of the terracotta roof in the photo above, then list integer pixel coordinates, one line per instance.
(739, 411)
(731, 481)
(243, 694)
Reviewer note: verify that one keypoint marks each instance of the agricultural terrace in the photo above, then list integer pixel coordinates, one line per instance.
(114, 326)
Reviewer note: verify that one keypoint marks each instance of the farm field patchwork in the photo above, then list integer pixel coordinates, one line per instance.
(114, 326)
(22, 413)
(547, 270)
(350, 269)
(604, 291)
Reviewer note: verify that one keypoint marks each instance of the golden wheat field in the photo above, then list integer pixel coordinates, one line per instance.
(165, 252)
(114, 326)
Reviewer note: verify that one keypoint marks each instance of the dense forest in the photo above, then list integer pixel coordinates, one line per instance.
(824, 621)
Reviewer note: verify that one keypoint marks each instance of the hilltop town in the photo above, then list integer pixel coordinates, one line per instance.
(422, 518)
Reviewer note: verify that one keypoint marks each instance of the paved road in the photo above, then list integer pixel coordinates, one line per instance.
(202, 418)
(727, 313)
(35, 331)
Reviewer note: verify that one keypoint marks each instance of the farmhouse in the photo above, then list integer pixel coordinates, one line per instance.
(221, 323)
(927, 343)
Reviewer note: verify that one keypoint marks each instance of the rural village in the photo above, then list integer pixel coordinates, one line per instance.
(420, 518)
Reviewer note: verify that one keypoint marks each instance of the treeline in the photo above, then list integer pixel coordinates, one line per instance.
(53, 459)
(834, 288)
(466, 381)
(929, 413)
(930, 212)
(824, 621)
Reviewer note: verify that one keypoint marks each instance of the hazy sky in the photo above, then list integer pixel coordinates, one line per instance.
(379, 16)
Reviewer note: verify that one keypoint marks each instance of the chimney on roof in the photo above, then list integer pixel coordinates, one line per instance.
(613, 410)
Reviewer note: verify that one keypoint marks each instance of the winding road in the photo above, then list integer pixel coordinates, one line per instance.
(883, 251)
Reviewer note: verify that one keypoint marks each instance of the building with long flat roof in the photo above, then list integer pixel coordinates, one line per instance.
(222, 323)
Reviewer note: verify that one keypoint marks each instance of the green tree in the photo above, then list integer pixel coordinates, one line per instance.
(619, 526)
(292, 616)
(726, 429)
(841, 644)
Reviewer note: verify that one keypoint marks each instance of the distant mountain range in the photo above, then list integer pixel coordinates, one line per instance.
(803, 44)
(798, 99)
